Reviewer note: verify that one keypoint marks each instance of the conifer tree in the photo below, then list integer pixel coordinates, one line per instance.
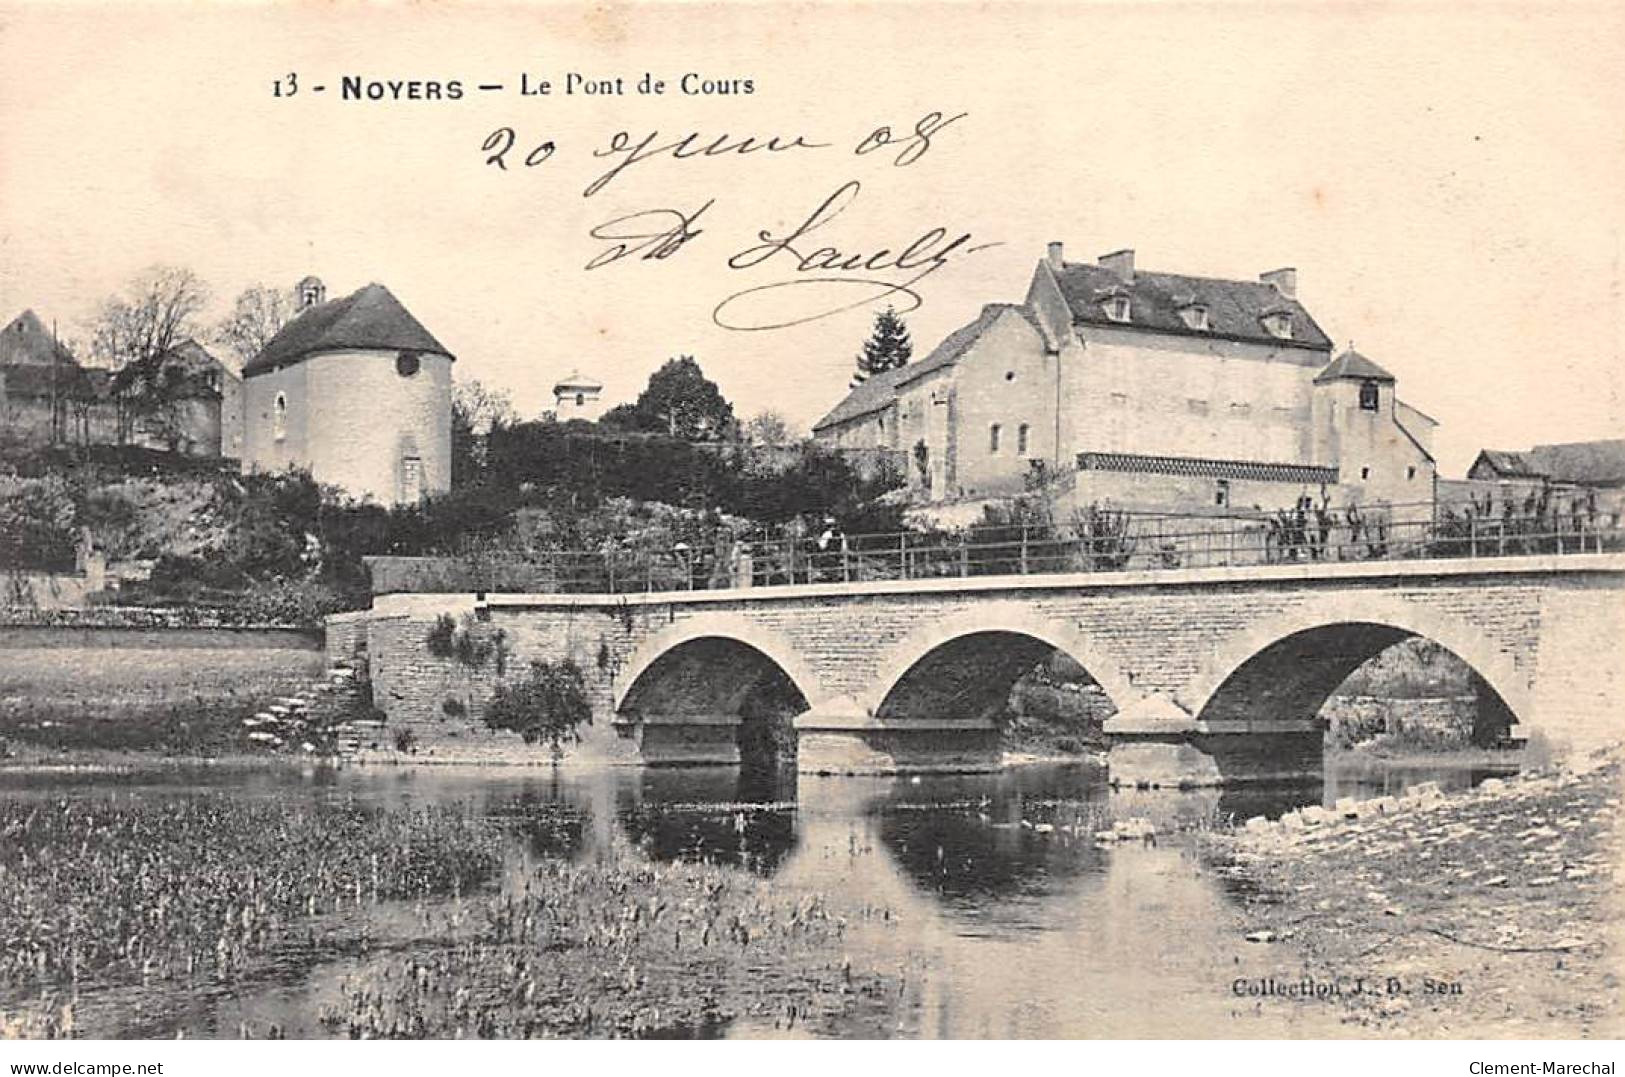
(887, 348)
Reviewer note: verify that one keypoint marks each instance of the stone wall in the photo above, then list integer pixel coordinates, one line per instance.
(1530, 626)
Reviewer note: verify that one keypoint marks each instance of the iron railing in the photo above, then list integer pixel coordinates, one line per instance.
(1097, 541)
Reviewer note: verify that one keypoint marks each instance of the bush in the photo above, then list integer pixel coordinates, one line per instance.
(289, 602)
(548, 706)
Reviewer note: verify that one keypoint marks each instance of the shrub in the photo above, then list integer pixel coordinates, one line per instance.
(467, 643)
(453, 708)
(406, 741)
(442, 639)
(548, 705)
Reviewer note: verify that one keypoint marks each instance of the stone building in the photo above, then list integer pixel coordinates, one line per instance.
(1591, 473)
(201, 405)
(1156, 391)
(46, 397)
(357, 391)
(577, 396)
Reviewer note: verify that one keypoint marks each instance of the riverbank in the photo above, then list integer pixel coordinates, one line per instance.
(91, 689)
(1492, 914)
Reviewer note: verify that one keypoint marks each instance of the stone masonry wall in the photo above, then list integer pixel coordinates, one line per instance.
(1176, 634)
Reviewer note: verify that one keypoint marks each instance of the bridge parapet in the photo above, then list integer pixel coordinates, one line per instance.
(881, 664)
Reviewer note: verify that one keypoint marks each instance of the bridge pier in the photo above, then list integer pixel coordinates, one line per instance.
(1156, 744)
(853, 743)
(674, 739)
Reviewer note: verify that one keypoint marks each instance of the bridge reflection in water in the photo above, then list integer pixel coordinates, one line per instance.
(1000, 916)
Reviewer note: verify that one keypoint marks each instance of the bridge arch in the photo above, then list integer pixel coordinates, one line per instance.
(970, 661)
(1290, 664)
(729, 628)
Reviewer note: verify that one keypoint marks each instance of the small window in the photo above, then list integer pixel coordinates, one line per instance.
(1117, 308)
(1009, 375)
(1365, 473)
(1368, 396)
(581, 399)
(1221, 493)
(1279, 325)
(1021, 440)
(993, 438)
(1195, 406)
(1410, 472)
(407, 364)
(1119, 400)
(279, 417)
(1195, 316)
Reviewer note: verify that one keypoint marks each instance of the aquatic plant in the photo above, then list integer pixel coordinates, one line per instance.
(190, 889)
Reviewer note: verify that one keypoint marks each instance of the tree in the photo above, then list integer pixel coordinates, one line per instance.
(258, 315)
(768, 427)
(135, 333)
(680, 401)
(476, 411)
(549, 705)
(887, 348)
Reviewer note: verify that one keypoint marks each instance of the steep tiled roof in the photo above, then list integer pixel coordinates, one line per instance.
(1505, 462)
(866, 398)
(369, 319)
(26, 340)
(1236, 309)
(1585, 463)
(1351, 364)
(878, 392)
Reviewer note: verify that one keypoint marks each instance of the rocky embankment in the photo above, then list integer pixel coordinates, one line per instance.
(1494, 913)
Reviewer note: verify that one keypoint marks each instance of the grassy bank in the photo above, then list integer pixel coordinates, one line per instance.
(168, 691)
(1491, 914)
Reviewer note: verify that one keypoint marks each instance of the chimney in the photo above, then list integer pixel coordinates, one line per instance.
(1284, 280)
(1121, 263)
(1054, 256)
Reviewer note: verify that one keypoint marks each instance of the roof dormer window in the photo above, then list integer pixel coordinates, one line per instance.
(1117, 308)
(1195, 316)
(1279, 324)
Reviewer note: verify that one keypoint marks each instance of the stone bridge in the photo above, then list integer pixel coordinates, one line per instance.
(1215, 674)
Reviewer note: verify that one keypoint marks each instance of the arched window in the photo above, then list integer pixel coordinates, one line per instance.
(1021, 440)
(279, 417)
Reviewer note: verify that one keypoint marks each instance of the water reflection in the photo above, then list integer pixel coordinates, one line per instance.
(996, 906)
(724, 815)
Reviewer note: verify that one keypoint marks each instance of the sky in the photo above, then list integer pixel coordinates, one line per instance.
(1449, 180)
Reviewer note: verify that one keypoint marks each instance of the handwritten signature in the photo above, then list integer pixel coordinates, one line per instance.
(826, 280)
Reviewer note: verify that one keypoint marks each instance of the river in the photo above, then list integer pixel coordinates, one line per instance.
(1005, 917)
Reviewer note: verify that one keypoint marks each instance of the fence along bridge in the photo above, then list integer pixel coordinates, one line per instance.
(1215, 672)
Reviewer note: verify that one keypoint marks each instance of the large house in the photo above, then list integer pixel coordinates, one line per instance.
(1155, 390)
(357, 391)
